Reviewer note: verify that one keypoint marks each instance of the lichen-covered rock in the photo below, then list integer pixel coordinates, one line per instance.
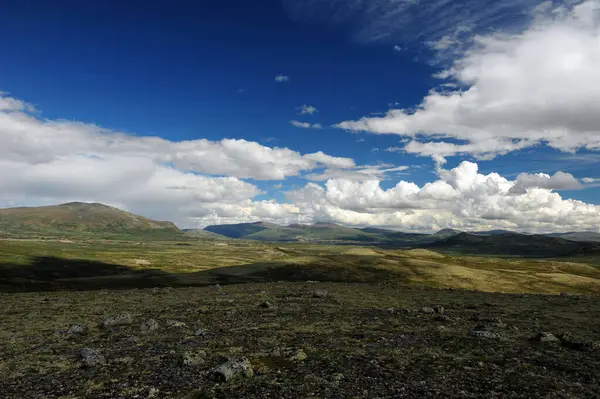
(545, 338)
(175, 324)
(483, 332)
(320, 294)
(92, 357)
(149, 325)
(76, 329)
(122, 319)
(233, 368)
(193, 358)
(201, 332)
(427, 310)
(439, 309)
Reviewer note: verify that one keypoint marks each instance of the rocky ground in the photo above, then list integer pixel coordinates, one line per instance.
(298, 340)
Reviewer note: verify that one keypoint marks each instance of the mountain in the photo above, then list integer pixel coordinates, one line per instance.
(443, 233)
(78, 218)
(578, 236)
(514, 244)
(318, 232)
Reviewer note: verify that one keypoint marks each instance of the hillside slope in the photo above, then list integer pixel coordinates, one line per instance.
(515, 244)
(78, 217)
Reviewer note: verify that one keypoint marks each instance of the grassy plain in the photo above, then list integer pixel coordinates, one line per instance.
(87, 263)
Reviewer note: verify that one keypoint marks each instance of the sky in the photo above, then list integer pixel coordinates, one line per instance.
(413, 115)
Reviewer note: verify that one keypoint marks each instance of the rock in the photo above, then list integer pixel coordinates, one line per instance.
(193, 358)
(295, 355)
(76, 329)
(545, 337)
(218, 287)
(149, 325)
(201, 332)
(441, 317)
(92, 357)
(483, 332)
(427, 310)
(320, 294)
(121, 319)
(233, 368)
(266, 305)
(153, 393)
(390, 310)
(568, 340)
(176, 324)
(439, 309)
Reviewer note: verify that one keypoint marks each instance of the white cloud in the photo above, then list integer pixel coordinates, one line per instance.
(306, 125)
(540, 86)
(30, 140)
(282, 78)
(307, 110)
(461, 198)
(358, 173)
(559, 181)
(397, 49)
(589, 180)
(48, 162)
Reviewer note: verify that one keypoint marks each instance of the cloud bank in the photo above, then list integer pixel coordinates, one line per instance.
(537, 87)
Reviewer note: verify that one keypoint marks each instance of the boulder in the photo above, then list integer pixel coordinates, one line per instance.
(76, 329)
(92, 357)
(122, 319)
(545, 338)
(149, 325)
(233, 368)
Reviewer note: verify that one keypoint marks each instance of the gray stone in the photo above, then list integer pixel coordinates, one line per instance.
(149, 325)
(427, 310)
(439, 309)
(191, 359)
(175, 324)
(76, 329)
(121, 319)
(483, 332)
(201, 332)
(92, 357)
(233, 368)
(320, 294)
(545, 337)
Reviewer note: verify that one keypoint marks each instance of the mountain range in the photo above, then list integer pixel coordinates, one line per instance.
(98, 220)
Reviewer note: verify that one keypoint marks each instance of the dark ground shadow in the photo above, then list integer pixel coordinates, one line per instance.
(55, 274)
(50, 274)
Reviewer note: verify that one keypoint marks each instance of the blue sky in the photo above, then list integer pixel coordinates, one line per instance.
(207, 70)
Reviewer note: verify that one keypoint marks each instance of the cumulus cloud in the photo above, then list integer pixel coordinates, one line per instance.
(307, 110)
(306, 125)
(559, 181)
(282, 78)
(461, 198)
(30, 140)
(589, 180)
(52, 161)
(537, 87)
